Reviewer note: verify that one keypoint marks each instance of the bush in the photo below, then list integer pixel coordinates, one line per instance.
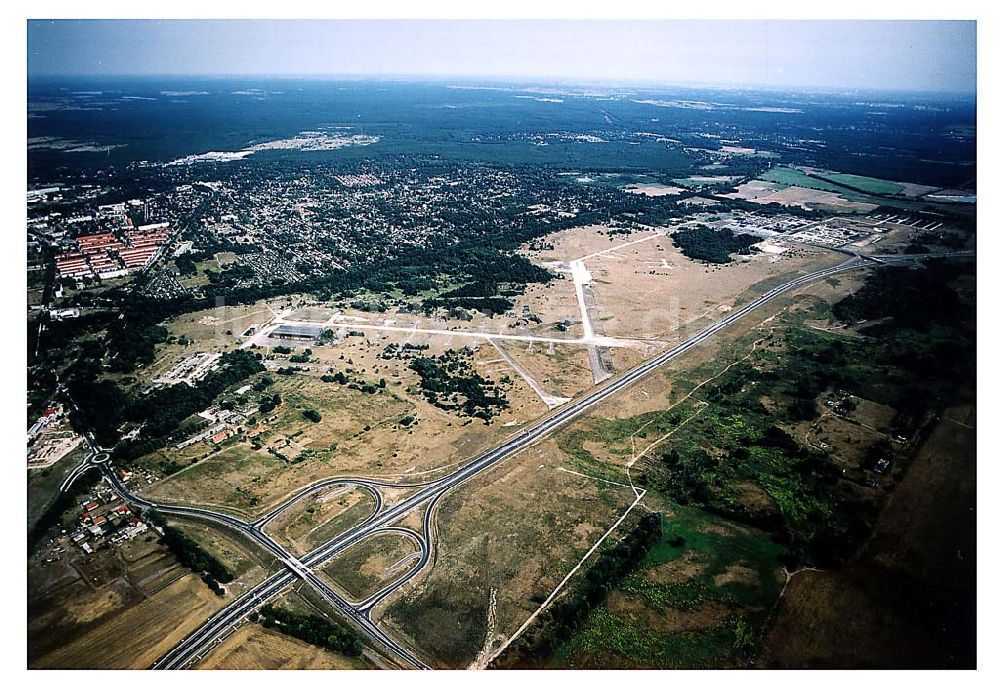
(312, 629)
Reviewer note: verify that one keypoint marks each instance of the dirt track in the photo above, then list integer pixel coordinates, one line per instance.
(907, 600)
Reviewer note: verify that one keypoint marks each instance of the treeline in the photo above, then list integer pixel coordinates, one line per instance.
(918, 355)
(191, 555)
(103, 407)
(310, 628)
(921, 325)
(562, 619)
(912, 297)
(714, 246)
(486, 305)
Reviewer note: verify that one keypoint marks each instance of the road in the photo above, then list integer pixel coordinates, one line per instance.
(195, 645)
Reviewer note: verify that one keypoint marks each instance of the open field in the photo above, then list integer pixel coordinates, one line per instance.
(365, 568)
(792, 177)
(909, 592)
(503, 543)
(43, 484)
(703, 597)
(359, 434)
(768, 191)
(646, 289)
(208, 330)
(703, 180)
(245, 559)
(866, 184)
(120, 600)
(139, 635)
(254, 647)
(320, 517)
(692, 603)
(200, 278)
(562, 370)
(652, 189)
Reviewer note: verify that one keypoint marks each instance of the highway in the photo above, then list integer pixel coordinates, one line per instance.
(195, 645)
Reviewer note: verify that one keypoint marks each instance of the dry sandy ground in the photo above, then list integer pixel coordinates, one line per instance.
(907, 599)
(254, 647)
(649, 290)
(246, 481)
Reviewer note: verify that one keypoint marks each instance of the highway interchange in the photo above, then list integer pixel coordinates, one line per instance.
(425, 496)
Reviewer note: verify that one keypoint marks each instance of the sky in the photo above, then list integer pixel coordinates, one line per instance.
(877, 55)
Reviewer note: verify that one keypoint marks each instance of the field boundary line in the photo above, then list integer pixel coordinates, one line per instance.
(559, 587)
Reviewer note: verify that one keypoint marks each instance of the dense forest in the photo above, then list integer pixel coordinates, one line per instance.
(714, 246)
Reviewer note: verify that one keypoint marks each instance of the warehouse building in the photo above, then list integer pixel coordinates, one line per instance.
(297, 331)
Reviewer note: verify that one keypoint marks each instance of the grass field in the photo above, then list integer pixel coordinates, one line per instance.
(797, 178)
(43, 484)
(367, 567)
(321, 517)
(359, 433)
(866, 184)
(697, 601)
(504, 541)
(649, 289)
(245, 559)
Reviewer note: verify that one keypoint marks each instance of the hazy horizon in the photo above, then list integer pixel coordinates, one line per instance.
(909, 56)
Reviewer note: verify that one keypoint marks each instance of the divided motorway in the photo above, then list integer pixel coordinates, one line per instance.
(195, 645)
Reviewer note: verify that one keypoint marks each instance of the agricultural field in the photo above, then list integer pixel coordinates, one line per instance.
(254, 647)
(773, 189)
(132, 638)
(918, 546)
(116, 608)
(854, 190)
(870, 185)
